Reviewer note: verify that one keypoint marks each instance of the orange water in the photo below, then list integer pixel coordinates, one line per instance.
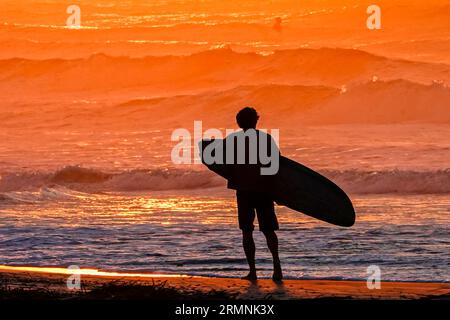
(86, 117)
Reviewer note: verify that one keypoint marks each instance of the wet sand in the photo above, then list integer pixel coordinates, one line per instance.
(233, 288)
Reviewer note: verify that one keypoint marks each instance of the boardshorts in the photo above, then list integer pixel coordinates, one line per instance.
(250, 201)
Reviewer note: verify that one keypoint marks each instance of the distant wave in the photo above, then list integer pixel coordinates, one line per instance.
(386, 102)
(214, 69)
(95, 181)
(301, 56)
(370, 102)
(377, 102)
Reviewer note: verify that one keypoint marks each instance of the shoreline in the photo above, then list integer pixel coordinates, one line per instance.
(36, 281)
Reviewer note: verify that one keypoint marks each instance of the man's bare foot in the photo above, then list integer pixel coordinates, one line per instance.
(277, 273)
(251, 276)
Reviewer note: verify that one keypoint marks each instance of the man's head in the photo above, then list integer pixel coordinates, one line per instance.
(247, 118)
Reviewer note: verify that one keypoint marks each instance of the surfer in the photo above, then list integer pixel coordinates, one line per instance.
(252, 191)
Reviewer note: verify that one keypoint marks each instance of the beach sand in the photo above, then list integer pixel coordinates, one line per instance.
(17, 278)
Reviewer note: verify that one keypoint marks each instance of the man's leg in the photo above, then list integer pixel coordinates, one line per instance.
(272, 243)
(249, 249)
(246, 215)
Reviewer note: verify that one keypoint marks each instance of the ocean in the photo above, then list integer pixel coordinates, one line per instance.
(86, 118)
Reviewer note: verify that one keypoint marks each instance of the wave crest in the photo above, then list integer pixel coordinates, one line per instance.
(210, 69)
(94, 180)
(162, 179)
(392, 181)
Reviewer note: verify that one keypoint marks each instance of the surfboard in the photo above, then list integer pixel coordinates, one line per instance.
(301, 189)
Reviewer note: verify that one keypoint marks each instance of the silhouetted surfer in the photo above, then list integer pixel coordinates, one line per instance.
(252, 187)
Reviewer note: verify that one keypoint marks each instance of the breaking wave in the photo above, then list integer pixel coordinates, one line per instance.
(93, 180)
(392, 181)
(369, 102)
(14, 186)
(216, 67)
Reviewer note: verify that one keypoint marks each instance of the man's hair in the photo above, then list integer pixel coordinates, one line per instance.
(247, 118)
